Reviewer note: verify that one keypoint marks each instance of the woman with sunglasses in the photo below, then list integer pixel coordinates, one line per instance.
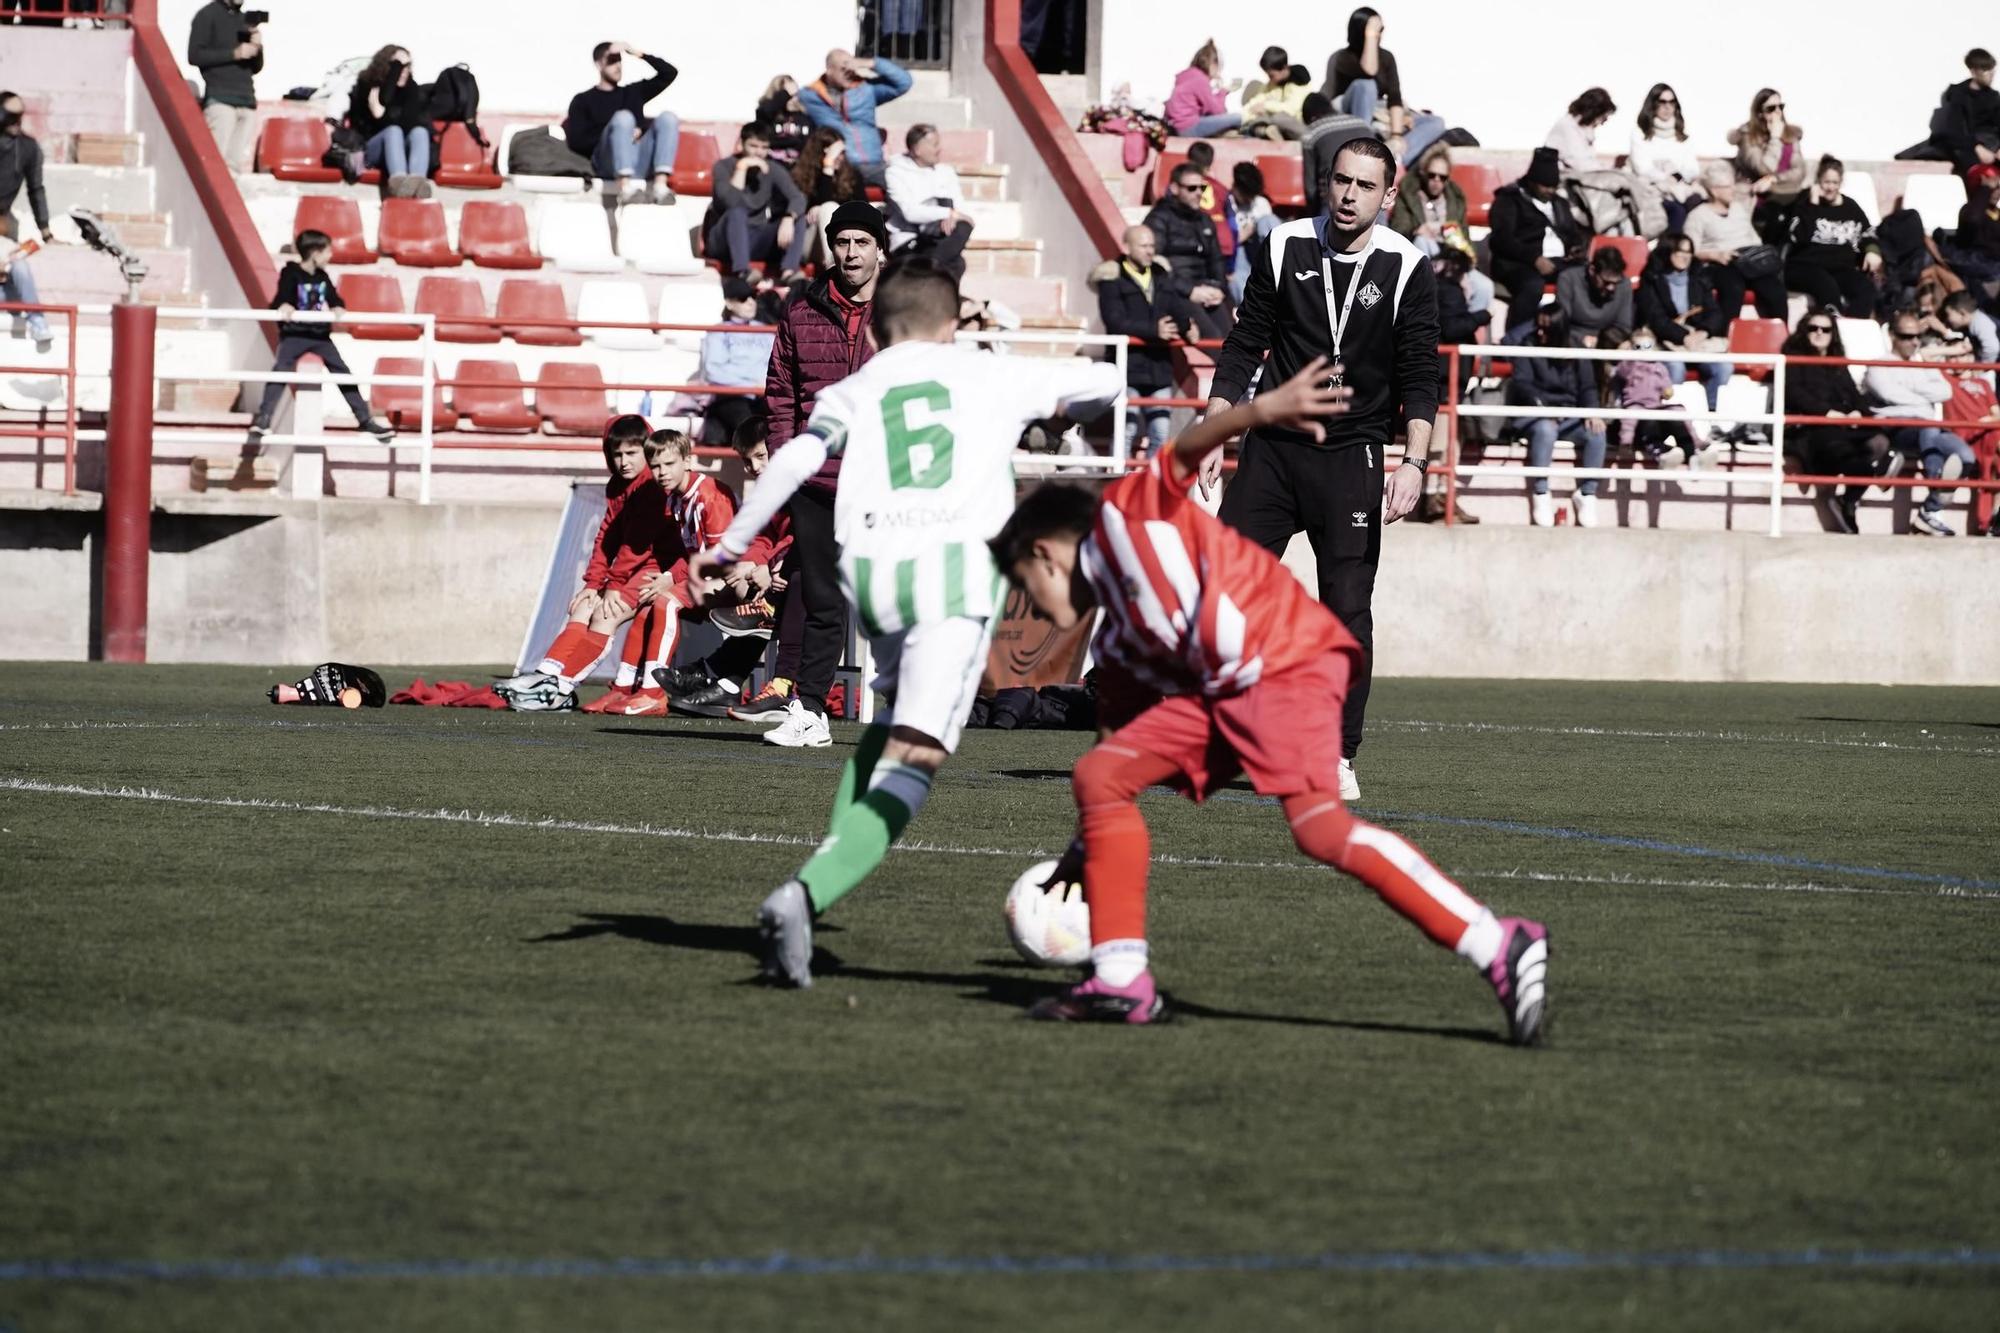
(1834, 257)
(1433, 217)
(1661, 154)
(1826, 449)
(1771, 159)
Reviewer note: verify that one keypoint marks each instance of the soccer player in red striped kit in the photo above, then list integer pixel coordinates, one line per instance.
(1213, 661)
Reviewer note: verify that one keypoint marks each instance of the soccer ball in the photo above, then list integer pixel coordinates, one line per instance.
(1049, 923)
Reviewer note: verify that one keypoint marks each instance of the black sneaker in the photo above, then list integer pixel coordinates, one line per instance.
(774, 700)
(711, 700)
(682, 680)
(1094, 1001)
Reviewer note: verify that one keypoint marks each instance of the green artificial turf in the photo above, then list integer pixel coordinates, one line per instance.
(392, 1029)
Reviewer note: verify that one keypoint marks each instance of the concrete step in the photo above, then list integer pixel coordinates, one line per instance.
(100, 189)
(995, 220)
(109, 150)
(1070, 93)
(947, 113)
(1036, 298)
(1022, 259)
(74, 275)
(984, 183)
(152, 231)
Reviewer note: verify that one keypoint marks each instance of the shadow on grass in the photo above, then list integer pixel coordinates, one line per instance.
(1005, 981)
(1905, 722)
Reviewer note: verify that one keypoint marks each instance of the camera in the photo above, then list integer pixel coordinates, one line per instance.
(256, 17)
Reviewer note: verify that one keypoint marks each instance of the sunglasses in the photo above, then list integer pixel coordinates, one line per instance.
(1192, 187)
(1437, 175)
(1903, 335)
(1819, 328)
(1769, 107)
(1668, 99)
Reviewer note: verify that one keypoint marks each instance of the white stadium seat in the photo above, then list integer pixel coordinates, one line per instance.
(1937, 200)
(621, 303)
(655, 240)
(576, 235)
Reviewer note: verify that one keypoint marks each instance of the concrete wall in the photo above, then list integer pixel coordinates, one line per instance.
(237, 579)
(1507, 71)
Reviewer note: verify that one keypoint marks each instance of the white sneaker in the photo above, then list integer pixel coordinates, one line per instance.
(801, 729)
(1584, 509)
(1673, 459)
(1542, 509)
(1703, 458)
(1923, 523)
(1350, 786)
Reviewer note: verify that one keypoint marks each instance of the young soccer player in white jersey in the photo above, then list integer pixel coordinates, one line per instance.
(926, 434)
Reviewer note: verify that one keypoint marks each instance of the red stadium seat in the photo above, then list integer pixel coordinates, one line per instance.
(403, 404)
(1163, 175)
(376, 291)
(444, 297)
(571, 398)
(1756, 335)
(340, 219)
(535, 298)
(494, 234)
(1479, 181)
(694, 164)
(462, 163)
(412, 232)
(293, 148)
(1284, 180)
(1636, 249)
(485, 400)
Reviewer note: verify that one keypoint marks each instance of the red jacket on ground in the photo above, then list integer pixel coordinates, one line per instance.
(822, 339)
(624, 555)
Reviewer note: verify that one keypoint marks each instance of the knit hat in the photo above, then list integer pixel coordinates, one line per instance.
(858, 215)
(1546, 169)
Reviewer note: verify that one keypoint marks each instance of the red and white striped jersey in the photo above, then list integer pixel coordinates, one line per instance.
(701, 508)
(1190, 604)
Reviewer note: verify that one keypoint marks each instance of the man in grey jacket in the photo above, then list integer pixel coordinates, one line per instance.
(229, 52)
(1915, 391)
(757, 210)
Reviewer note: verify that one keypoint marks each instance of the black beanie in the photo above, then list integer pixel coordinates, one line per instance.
(1546, 169)
(858, 215)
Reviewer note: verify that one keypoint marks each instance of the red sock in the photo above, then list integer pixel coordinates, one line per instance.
(566, 644)
(1386, 863)
(582, 655)
(1115, 843)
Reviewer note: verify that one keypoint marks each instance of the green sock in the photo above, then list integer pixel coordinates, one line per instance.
(862, 831)
(854, 777)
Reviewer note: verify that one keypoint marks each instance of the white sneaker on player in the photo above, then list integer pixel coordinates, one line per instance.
(1584, 508)
(801, 729)
(1350, 786)
(1542, 509)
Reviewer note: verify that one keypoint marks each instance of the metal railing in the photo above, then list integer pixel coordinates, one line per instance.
(67, 373)
(914, 33)
(60, 13)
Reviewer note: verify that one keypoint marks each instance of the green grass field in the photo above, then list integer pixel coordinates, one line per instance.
(457, 1006)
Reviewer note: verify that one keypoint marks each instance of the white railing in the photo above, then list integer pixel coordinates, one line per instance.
(1772, 418)
(308, 417)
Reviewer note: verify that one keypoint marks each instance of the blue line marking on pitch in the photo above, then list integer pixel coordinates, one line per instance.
(307, 1267)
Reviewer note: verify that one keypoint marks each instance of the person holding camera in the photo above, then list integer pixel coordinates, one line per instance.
(1136, 296)
(392, 116)
(21, 164)
(226, 44)
(757, 212)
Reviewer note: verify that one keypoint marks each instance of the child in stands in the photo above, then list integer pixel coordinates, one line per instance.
(305, 288)
(1213, 661)
(1648, 385)
(623, 560)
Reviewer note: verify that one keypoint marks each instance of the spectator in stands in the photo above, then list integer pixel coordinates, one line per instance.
(1644, 384)
(757, 214)
(1546, 382)
(17, 285)
(1595, 297)
(1975, 248)
(1136, 297)
(822, 339)
(1217, 200)
(1834, 257)
(1961, 314)
(1186, 240)
(845, 98)
(1535, 235)
(21, 164)
(735, 359)
(1661, 153)
(1679, 301)
(1198, 107)
(779, 109)
(1363, 81)
(306, 288)
(1327, 132)
(1825, 449)
(1275, 105)
(924, 203)
(1726, 240)
(603, 125)
(827, 180)
(1433, 217)
(392, 116)
(1254, 220)
(1965, 129)
(1918, 390)
(1771, 159)
(229, 53)
(1973, 399)
(1574, 135)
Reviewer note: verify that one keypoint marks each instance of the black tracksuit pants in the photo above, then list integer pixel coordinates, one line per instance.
(813, 573)
(1334, 496)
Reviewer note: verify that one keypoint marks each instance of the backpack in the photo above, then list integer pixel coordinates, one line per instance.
(455, 96)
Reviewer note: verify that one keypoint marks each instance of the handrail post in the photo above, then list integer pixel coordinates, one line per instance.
(1120, 438)
(69, 413)
(128, 484)
(1778, 448)
(425, 423)
(1451, 440)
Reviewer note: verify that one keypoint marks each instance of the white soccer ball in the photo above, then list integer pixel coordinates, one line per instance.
(1049, 923)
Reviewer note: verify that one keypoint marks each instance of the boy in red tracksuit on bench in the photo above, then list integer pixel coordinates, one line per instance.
(623, 561)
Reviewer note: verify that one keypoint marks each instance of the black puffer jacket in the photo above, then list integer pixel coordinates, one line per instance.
(1124, 307)
(1186, 238)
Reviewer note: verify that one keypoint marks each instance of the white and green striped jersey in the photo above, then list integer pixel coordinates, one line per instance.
(926, 434)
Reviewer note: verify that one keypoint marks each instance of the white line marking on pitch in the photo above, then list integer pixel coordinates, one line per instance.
(488, 819)
(1733, 737)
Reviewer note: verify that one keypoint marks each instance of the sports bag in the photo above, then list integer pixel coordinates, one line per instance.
(1757, 261)
(455, 96)
(538, 152)
(334, 684)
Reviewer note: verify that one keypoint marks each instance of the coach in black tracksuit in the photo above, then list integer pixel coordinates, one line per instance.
(1338, 267)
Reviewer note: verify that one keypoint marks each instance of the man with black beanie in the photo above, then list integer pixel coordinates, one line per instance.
(1341, 287)
(1535, 235)
(822, 339)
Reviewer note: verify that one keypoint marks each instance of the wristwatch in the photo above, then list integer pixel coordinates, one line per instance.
(1422, 465)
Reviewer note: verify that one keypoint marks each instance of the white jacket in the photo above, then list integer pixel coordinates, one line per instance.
(1661, 158)
(911, 188)
(1913, 390)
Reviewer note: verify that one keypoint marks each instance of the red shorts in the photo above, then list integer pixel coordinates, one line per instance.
(1283, 733)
